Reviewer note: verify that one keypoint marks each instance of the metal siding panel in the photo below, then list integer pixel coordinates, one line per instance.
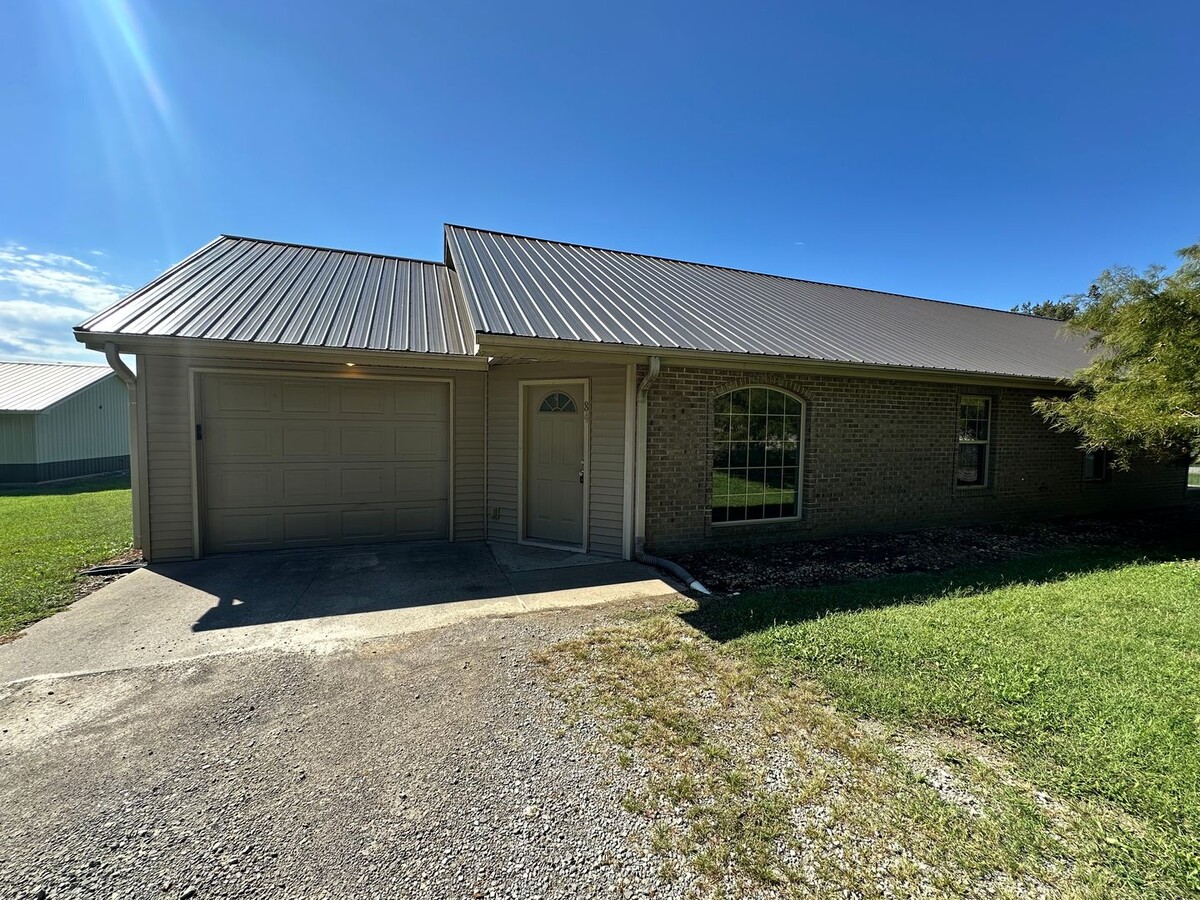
(18, 442)
(93, 424)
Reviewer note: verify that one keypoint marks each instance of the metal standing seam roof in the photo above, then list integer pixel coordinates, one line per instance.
(245, 289)
(33, 387)
(530, 287)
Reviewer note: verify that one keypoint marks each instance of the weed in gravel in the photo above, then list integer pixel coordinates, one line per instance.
(759, 787)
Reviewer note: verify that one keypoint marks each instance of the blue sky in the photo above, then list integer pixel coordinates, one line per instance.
(984, 153)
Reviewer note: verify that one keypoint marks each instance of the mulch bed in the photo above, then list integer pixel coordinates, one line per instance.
(811, 563)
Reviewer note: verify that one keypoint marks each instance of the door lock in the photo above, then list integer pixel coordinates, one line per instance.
(581, 471)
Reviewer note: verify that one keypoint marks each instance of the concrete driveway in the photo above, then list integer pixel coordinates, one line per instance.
(311, 599)
(366, 723)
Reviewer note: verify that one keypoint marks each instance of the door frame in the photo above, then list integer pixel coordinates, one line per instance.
(523, 386)
(195, 376)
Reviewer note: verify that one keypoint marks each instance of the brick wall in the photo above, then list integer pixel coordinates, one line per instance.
(878, 455)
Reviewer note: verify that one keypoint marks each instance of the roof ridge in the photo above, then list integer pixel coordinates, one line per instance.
(243, 237)
(689, 262)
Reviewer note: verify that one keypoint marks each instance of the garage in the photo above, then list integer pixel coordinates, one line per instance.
(297, 461)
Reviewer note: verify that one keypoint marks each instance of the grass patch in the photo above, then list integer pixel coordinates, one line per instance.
(1023, 728)
(47, 534)
(1089, 682)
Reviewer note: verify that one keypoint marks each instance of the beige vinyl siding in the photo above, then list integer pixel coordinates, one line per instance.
(18, 438)
(468, 455)
(93, 423)
(607, 449)
(170, 433)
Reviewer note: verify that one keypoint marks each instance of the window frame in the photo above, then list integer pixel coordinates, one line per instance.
(1105, 467)
(986, 482)
(800, 446)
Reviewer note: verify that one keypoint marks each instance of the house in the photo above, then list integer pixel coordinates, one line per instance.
(61, 421)
(536, 391)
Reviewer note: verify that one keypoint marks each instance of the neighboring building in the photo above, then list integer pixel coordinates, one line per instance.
(527, 390)
(61, 421)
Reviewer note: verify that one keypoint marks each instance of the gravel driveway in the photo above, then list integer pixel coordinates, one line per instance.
(430, 765)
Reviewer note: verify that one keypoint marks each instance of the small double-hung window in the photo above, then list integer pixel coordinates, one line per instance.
(974, 442)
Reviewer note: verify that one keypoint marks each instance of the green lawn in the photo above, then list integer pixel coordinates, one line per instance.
(1089, 682)
(47, 534)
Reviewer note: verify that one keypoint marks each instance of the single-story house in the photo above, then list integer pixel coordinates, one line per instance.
(536, 391)
(59, 420)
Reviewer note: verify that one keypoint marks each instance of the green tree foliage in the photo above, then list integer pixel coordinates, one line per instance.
(1141, 394)
(1064, 310)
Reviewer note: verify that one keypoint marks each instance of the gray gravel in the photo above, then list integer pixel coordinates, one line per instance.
(435, 765)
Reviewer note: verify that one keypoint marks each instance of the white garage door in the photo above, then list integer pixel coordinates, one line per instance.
(307, 462)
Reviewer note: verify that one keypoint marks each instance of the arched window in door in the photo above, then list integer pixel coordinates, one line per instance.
(557, 401)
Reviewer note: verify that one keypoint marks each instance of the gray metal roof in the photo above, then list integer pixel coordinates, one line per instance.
(530, 287)
(244, 289)
(33, 387)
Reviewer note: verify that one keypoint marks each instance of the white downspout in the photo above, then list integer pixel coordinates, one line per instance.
(643, 407)
(639, 542)
(135, 462)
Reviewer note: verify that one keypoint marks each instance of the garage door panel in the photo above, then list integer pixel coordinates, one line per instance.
(305, 397)
(304, 487)
(362, 484)
(421, 440)
(306, 526)
(422, 481)
(365, 524)
(240, 531)
(293, 462)
(363, 441)
(233, 488)
(238, 395)
(420, 522)
(242, 440)
(359, 399)
(306, 440)
(425, 401)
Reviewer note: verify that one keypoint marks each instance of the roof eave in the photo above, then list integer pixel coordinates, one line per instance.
(187, 346)
(535, 347)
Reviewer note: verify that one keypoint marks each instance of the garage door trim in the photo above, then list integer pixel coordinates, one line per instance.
(196, 373)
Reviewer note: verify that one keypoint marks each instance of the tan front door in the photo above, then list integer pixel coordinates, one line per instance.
(554, 463)
(310, 462)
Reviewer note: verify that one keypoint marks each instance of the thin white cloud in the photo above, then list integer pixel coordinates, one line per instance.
(44, 294)
(40, 311)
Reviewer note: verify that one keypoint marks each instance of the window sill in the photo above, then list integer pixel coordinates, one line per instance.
(750, 523)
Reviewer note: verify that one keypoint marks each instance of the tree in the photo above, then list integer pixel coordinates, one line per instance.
(1141, 394)
(1064, 310)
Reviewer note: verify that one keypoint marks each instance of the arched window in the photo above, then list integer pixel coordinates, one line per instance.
(758, 438)
(557, 401)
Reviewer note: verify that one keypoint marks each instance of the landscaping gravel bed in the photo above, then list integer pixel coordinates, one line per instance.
(809, 563)
(435, 765)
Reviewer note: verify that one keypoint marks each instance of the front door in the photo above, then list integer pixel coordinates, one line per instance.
(554, 463)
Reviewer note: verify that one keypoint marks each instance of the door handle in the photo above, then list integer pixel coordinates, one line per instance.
(581, 471)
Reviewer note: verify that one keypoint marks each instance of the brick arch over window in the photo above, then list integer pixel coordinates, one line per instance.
(757, 453)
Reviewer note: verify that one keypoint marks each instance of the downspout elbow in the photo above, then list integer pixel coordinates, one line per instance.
(118, 365)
